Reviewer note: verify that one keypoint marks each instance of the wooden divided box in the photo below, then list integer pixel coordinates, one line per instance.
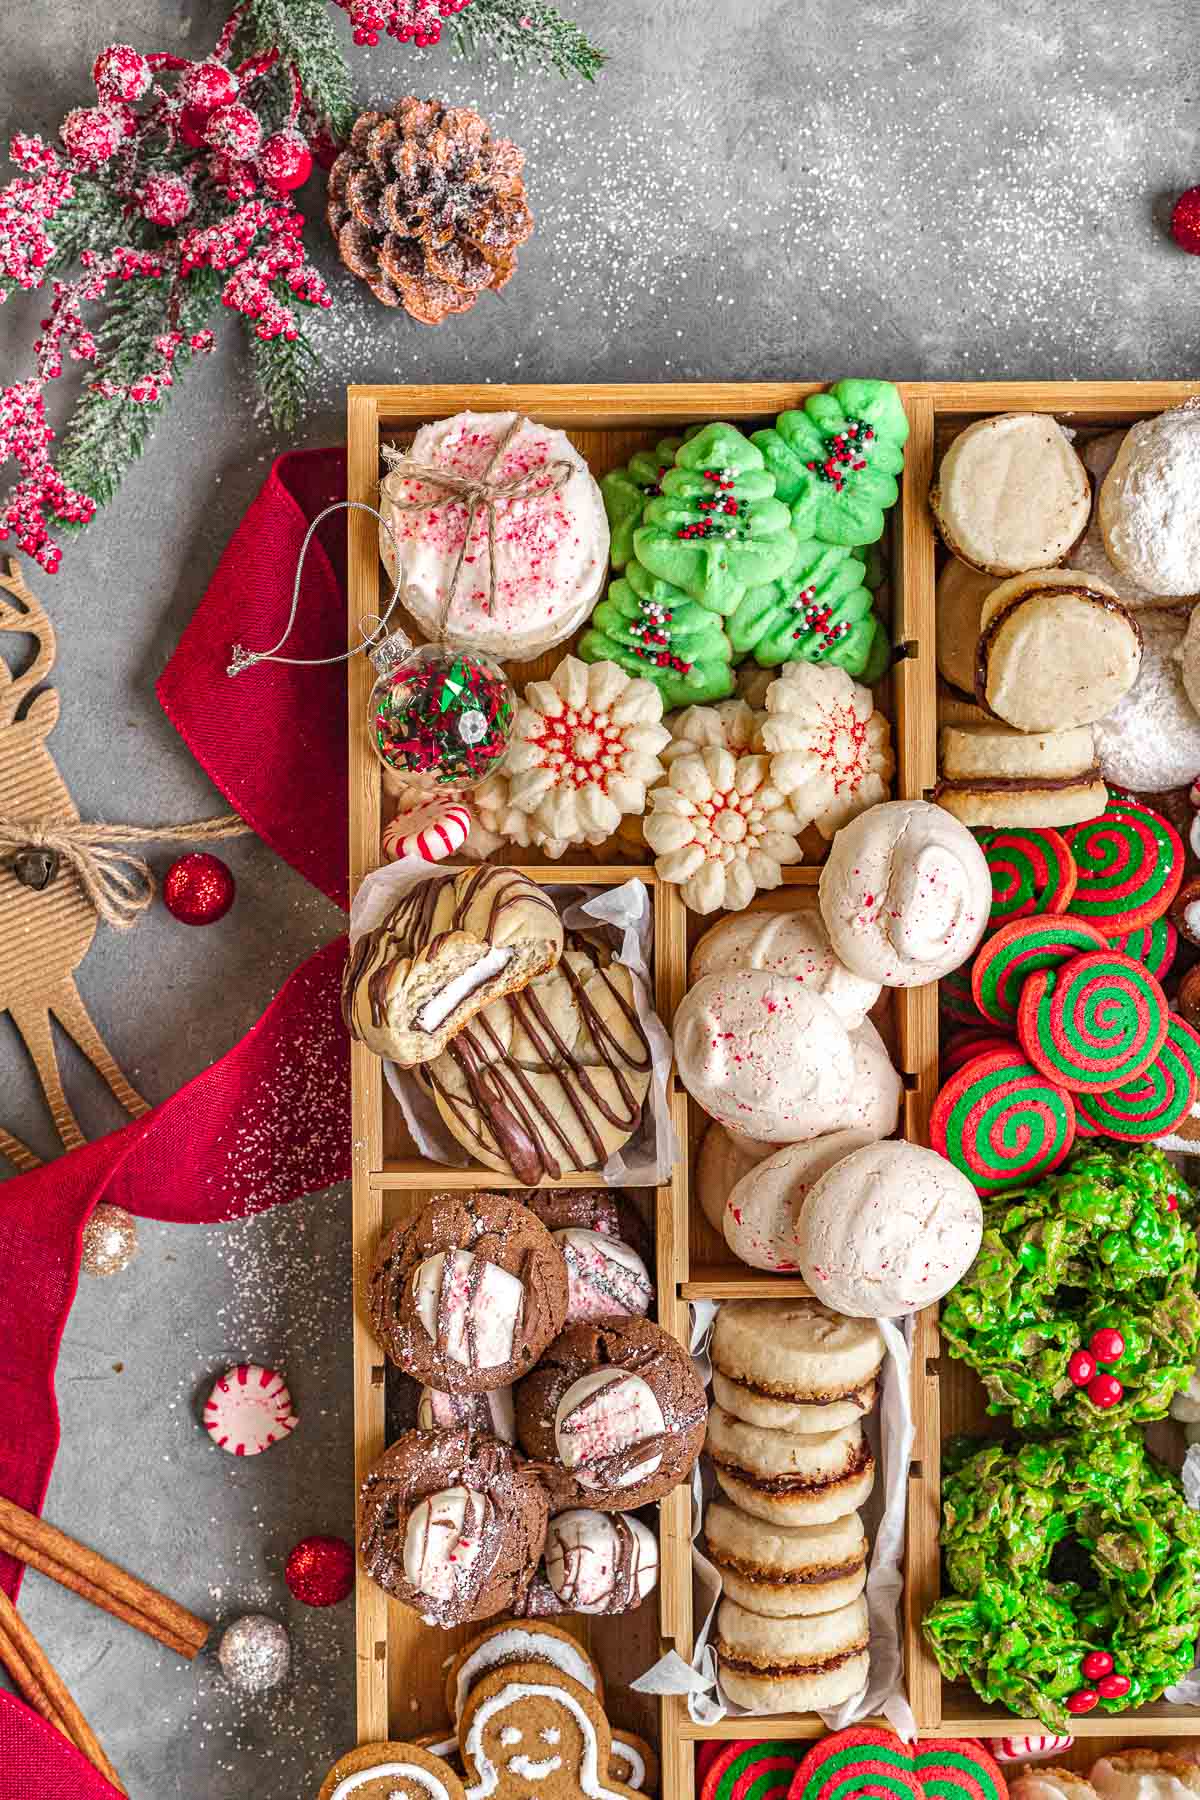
(400, 1659)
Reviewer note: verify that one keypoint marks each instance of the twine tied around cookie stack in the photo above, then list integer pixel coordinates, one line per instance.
(119, 884)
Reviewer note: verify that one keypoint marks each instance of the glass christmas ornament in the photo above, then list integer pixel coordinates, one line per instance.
(441, 717)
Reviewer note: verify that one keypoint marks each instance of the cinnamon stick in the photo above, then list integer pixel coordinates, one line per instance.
(39, 1683)
(85, 1572)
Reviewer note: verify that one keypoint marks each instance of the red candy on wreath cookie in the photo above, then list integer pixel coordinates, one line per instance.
(1001, 1122)
(1032, 871)
(1094, 1023)
(1130, 863)
(1007, 959)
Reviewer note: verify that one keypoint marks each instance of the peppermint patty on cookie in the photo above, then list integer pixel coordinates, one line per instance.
(793, 1365)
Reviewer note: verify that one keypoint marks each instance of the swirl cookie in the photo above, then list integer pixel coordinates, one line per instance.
(453, 1524)
(552, 1080)
(447, 949)
(1056, 649)
(1011, 494)
(467, 1295)
(792, 1664)
(391, 1771)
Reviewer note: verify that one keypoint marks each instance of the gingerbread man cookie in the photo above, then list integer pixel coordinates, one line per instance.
(511, 1641)
(391, 1771)
(529, 1729)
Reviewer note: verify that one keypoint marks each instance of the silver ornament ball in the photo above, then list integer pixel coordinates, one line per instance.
(109, 1241)
(255, 1653)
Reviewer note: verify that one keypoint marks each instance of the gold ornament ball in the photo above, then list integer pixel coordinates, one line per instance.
(109, 1241)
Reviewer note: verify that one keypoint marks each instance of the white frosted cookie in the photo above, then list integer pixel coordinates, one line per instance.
(518, 1641)
(1145, 1775)
(1091, 555)
(391, 1771)
(762, 1212)
(1011, 494)
(793, 943)
(1151, 739)
(722, 1160)
(961, 592)
(887, 1230)
(905, 893)
(551, 543)
(878, 1089)
(1056, 649)
(793, 1665)
(764, 1056)
(1149, 505)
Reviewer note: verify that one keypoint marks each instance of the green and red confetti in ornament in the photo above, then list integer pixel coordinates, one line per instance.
(444, 717)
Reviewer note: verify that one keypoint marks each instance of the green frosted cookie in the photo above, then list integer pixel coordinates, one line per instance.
(650, 628)
(716, 528)
(836, 462)
(818, 611)
(627, 490)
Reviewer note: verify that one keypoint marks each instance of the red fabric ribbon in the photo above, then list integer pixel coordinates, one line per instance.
(269, 1121)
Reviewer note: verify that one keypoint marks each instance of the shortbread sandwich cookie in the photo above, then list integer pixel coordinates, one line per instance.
(790, 1478)
(793, 1665)
(1145, 1775)
(792, 1365)
(1011, 494)
(1056, 649)
(786, 1571)
(961, 592)
(992, 775)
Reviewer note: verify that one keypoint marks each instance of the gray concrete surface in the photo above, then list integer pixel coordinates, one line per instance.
(756, 188)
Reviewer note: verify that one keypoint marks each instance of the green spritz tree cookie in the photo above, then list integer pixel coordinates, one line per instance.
(818, 611)
(653, 629)
(627, 490)
(835, 462)
(716, 528)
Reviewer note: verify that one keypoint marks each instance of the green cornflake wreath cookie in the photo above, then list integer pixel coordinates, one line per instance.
(716, 528)
(651, 628)
(1079, 1311)
(818, 611)
(836, 462)
(1078, 1547)
(627, 490)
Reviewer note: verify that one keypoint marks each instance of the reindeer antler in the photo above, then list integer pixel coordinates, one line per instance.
(28, 617)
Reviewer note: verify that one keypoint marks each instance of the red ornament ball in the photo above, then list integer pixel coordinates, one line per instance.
(320, 1570)
(286, 161)
(1185, 221)
(206, 85)
(1096, 1663)
(121, 73)
(166, 198)
(235, 130)
(1082, 1700)
(1107, 1345)
(1081, 1367)
(1104, 1391)
(1113, 1687)
(199, 889)
(92, 134)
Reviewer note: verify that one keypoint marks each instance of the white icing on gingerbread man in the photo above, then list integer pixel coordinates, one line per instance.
(555, 1714)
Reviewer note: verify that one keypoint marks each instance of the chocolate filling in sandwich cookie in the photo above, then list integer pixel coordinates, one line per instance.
(792, 1665)
(792, 1365)
(790, 1478)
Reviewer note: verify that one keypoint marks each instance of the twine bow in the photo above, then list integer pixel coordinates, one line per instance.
(119, 884)
(480, 492)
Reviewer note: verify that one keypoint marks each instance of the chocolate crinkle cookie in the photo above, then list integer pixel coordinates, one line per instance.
(453, 1524)
(607, 1210)
(467, 1296)
(614, 1415)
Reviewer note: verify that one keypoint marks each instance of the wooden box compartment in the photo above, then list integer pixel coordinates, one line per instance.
(950, 1396)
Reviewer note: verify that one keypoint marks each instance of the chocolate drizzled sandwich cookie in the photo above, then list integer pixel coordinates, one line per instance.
(446, 949)
(467, 1295)
(786, 1571)
(991, 774)
(551, 1080)
(792, 1665)
(792, 1365)
(613, 1415)
(453, 1524)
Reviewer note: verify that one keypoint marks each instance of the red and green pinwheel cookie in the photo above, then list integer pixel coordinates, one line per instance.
(626, 491)
(650, 628)
(836, 461)
(819, 611)
(716, 529)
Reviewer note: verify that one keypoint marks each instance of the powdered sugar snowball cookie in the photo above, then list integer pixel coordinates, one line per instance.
(886, 1230)
(551, 540)
(763, 1055)
(1149, 506)
(730, 725)
(830, 749)
(584, 750)
(764, 1208)
(793, 943)
(724, 1157)
(905, 893)
(606, 1278)
(878, 1089)
(1151, 739)
(1091, 556)
(1011, 494)
(249, 1409)
(721, 830)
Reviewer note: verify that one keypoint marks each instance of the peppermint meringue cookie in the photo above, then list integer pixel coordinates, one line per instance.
(724, 1157)
(763, 1212)
(1149, 506)
(905, 894)
(721, 830)
(793, 943)
(1188, 656)
(551, 539)
(1091, 556)
(764, 1056)
(878, 1090)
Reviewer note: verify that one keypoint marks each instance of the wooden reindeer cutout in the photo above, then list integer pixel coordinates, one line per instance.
(44, 935)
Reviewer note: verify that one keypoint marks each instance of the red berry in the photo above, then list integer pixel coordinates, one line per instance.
(286, 161)
(1113, 1687)
(192, 121)
(207, 85)
(1081, 1367)
(1185, 221)
(92, 134)
(121, 73)
(1172, 1200)
(1107, 1345)
(166, 198)
(1096, 1663)
(235, 130)
(1082, 1700)
(1104, 1391)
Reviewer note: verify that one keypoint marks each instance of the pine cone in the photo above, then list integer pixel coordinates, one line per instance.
(428, 208)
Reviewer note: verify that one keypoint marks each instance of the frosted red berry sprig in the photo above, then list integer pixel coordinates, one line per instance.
(416, 22)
